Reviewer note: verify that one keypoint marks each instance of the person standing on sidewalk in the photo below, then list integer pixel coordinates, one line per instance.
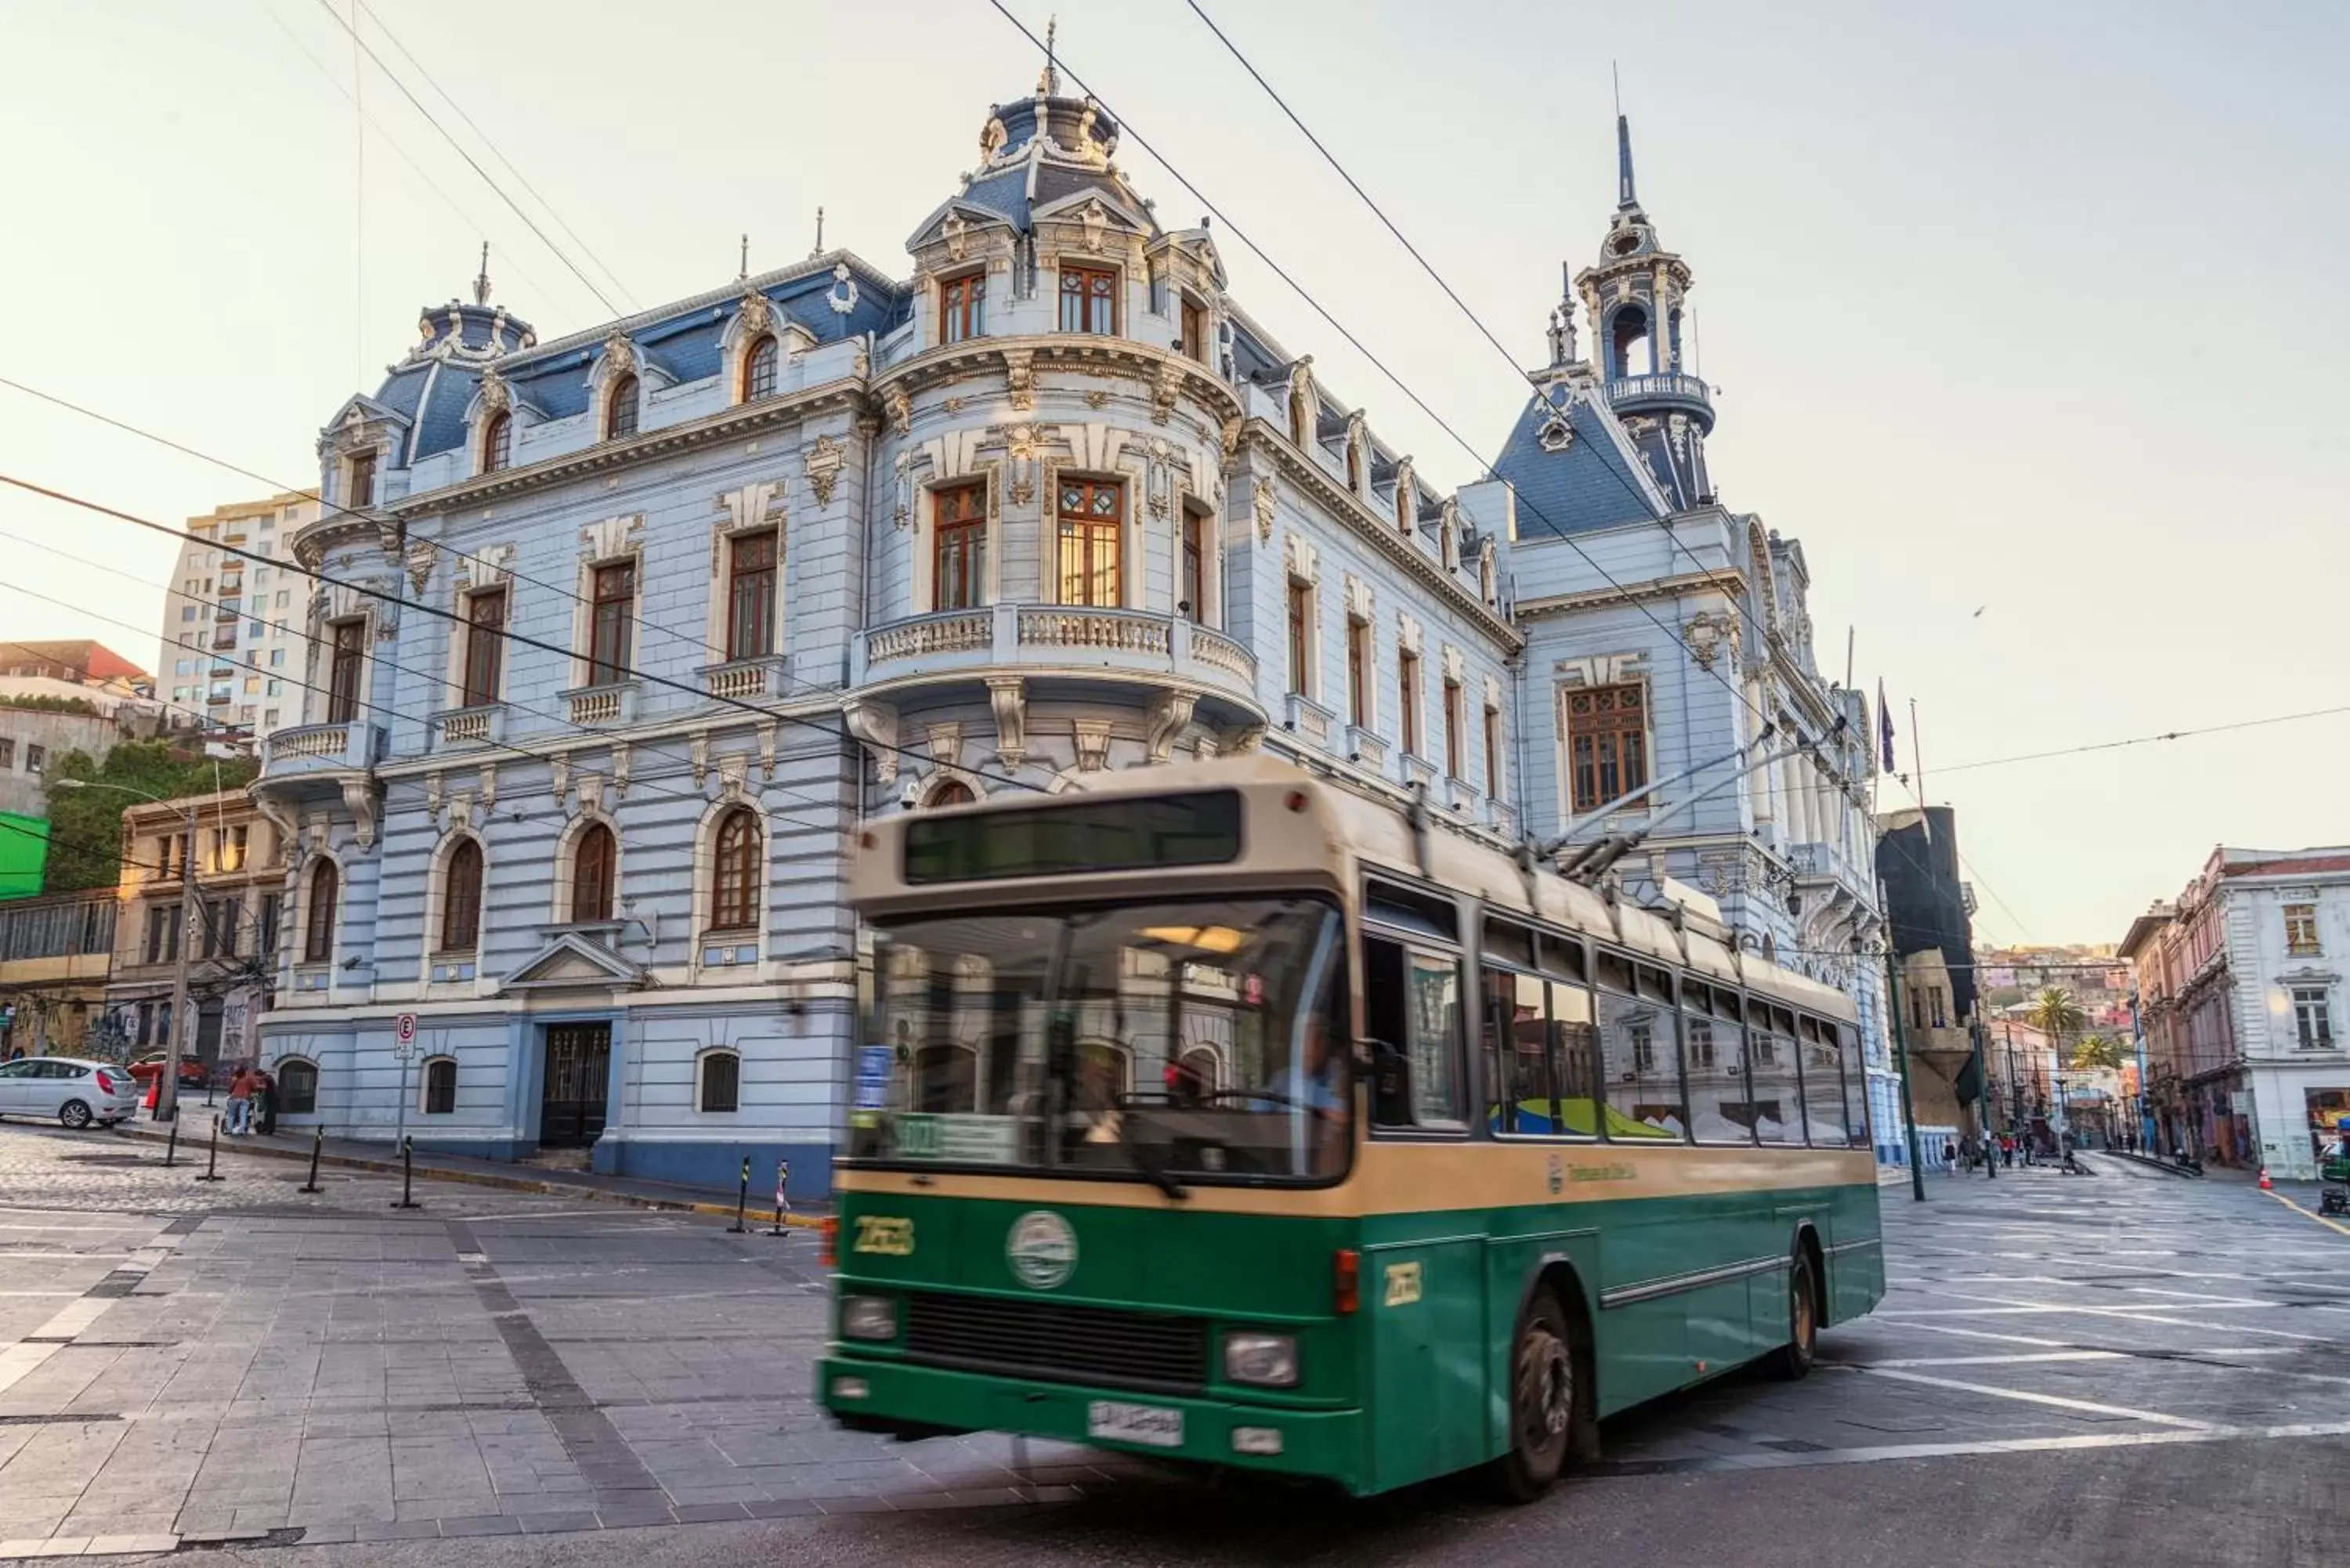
(239, 1102)
(265, 1102)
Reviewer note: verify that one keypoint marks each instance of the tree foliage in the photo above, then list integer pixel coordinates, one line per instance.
(2097, 1051)
(46, 704)
(2056, 1014)
(86, 825)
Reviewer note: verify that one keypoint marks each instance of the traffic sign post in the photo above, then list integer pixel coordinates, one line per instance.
(403, 1047)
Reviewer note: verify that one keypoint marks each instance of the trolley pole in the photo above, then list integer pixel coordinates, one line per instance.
(1901, 1056)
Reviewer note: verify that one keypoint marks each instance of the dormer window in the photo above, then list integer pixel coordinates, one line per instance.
(361, 491)
(759, 369)
(498, 443)
(1088, 299)
(962, 308)
(620, 409)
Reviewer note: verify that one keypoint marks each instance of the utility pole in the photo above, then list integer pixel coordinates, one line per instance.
(1901, 1056)
(167, 1077)
(1982, 1099)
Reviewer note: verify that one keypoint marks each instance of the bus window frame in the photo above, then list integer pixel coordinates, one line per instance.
(1596, 954)
(1553, 1058)
(1465, 1060)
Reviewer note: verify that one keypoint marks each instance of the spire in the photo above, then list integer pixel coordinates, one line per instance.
(1049, 83)
(819, 235)
(745, 271)
(1625, 198)
(482, 283)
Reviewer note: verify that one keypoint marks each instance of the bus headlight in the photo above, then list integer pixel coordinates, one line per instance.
(1268, 1360)
(868, 1317)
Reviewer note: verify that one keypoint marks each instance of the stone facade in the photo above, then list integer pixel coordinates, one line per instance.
(618, 637)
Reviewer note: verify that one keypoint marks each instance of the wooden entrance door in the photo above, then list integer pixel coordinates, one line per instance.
(571, 1107)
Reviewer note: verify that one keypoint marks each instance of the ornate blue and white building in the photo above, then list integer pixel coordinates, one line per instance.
(620, 635)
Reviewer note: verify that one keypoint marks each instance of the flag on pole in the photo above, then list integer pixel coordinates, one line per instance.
(1883, 729)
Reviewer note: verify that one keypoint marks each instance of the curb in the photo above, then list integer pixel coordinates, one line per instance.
(2185, 1173)
(486, 1178)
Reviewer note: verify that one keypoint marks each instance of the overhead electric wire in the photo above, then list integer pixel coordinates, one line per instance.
(487, 178)
(520, 178)
(2143, 740)
(331, 510)
(634, 779)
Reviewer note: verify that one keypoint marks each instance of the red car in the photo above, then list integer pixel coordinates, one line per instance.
(191, 1070)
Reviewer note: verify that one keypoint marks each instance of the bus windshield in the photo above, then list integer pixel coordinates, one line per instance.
(1197, 1038)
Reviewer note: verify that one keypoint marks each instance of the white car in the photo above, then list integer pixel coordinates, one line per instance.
(75, 1092)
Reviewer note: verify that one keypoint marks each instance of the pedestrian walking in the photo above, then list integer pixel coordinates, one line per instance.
(1949, 1157)
(239, 1102)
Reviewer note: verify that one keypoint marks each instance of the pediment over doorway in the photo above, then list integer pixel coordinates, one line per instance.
(571, 961)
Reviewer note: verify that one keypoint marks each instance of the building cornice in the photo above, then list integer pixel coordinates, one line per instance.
(1086, 353)
(1713, 580)
(1375, 530)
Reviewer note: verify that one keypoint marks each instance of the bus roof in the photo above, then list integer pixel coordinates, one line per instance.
(1359, 832)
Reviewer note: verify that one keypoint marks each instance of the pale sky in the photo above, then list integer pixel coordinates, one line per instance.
(2029, 309)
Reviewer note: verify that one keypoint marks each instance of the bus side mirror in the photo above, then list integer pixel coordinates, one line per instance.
(1390, 1085)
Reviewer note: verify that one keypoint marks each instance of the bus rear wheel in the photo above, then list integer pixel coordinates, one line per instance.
(1545, 1401)
(1794, 1359)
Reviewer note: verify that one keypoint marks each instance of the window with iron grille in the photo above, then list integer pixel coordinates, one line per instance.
(1608, 742)
(721, 1082)
(441, 1086)
(959, 547)
(297, 1086)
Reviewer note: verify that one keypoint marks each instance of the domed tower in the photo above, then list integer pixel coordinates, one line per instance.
(1635, 299)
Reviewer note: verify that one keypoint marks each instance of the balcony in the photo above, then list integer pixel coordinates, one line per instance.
(745, 679)
(1670, 390)
(300, 750)
(1826, 864)
(482, 724)
(1065, 643)
(601, 707)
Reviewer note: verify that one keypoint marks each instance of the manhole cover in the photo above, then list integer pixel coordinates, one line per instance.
(112, 1159)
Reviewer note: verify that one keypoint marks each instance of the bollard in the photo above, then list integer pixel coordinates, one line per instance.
(782, 1204)
(212, 1158)
(407, 1174)
(171, 1145)
(317, 1144)
(742, 1201)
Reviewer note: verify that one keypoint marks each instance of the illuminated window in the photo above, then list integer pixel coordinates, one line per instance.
(1092, 521)
(1088, 299)
(962, 308)
(959, 547)
(1608, 742)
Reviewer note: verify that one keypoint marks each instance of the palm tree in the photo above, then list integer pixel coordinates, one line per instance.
(2099, 1051)
(2057, 1016)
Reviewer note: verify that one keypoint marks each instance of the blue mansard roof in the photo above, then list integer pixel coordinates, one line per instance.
(1590, 481)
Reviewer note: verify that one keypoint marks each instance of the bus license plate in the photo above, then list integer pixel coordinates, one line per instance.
(1149, 1425)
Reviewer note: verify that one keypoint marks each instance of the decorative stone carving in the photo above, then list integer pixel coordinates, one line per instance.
(496, 396)
(875, 725)
(622, 760)
(1163, 392)
(489, 788)
(768, 751)
(702, 760)
(619, 356)
(1300, 557)
(1407, 489)
(1020, 377)
(559, 776)
(421, 558)
(1008, 695)
(823, 465)
(434, 787)
(1168, 714)
(591, 793)
(1493, 700)
(1707, 634)
(1407, 631)
(1093, 745)
(901, 407)
(1097, 398)
(611, 537)
(733, 775)
(957, 234)
(1300, 393)
(1360, 596)
(842, 297)
(1228, 446)
(1264, 502)
(1448, 660)
(1557, 434)
(754, 315)
(992, 138)
(1676, 426)
(359, 800)
(1094, 219)
(1241, 740)
(954, 405)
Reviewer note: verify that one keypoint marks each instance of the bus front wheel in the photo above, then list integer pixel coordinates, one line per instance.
(1545, 1401)
(1794, 1359)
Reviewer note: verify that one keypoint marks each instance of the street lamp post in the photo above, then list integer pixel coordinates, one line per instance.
(167, 1076)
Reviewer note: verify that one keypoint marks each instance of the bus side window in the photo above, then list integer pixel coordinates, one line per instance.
(1412, 1011)
(1384, 1024)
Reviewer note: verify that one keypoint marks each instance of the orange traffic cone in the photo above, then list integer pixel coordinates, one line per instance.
(2266, 1185)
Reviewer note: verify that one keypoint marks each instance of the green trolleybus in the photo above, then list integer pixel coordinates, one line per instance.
(1222, 1114)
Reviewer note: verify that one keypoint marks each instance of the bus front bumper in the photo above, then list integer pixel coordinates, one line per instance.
(889, 1394)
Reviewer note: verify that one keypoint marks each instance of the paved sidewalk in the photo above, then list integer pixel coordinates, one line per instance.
(348, 1154)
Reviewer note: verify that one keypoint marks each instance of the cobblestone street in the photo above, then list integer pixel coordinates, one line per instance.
(182, 1362)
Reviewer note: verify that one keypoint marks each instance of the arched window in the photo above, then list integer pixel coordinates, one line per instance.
(952, 792)
(460, 900)
(497, 442)
(718, 1086)
(593, 862)
(297, 1086)
(441, 1086)
(318, 921)
(734, 882)
(759, 368)
(620, 409)
(1629, 341)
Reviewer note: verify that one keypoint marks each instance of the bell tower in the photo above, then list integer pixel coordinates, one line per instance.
(1635, 298)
